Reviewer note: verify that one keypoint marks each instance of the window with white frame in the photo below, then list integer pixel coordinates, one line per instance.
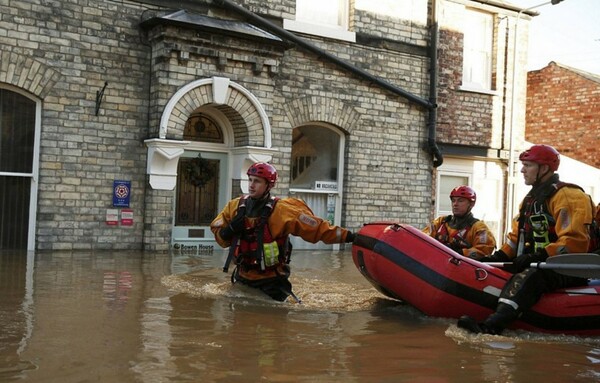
(327, 18)
(447, 182)
(477, 50)
(486, 177)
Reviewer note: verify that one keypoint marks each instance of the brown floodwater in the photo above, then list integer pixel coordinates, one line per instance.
(155, 317)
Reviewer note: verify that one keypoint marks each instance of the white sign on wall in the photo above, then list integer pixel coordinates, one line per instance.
(326, 185)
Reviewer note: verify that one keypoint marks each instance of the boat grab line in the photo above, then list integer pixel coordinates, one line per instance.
(481, 274)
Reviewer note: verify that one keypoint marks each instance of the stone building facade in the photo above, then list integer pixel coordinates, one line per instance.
(563, 110)
(134, 93)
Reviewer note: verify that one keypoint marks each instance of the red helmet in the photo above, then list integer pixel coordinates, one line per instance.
(464, 192)
(264, 170)
(543, 155)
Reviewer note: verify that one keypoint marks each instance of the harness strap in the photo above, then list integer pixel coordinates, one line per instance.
(542, 198)
(552, 189)
(470, 222)
(241, 211)
(260, 228)
(231, 254)
(459, 234)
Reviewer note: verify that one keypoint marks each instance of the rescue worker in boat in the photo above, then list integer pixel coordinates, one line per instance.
(256, 227)
(597, 222)
(551, 221)
(461, 231)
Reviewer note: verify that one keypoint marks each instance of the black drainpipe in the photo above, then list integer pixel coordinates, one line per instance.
(434, 150)
(431, 106)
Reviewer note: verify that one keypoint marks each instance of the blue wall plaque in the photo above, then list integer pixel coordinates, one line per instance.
(121, 193)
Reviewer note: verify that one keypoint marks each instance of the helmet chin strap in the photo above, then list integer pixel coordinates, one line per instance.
(538, 177)
(471, 206)
(266, 193)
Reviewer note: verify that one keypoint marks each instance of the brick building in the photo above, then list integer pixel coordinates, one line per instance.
(129, 124)
(563, 110)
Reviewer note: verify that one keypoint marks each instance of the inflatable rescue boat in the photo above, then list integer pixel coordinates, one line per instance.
(405, 264)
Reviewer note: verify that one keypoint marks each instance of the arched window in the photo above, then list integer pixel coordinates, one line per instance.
(201, 127)
(17, 139)
(317, 173)
(315, 157)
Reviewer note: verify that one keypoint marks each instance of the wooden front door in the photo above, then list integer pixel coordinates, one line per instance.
(199, 197)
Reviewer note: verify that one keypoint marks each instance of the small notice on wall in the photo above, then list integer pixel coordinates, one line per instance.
(121, 193)
(112, 216)
(126, 217)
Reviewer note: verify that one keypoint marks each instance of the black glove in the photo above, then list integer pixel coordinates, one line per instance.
(236, 226)
(350, 237)
(497, 256)
(522, 262)
(454, 245)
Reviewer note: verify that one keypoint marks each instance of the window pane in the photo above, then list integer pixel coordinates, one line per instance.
(200, 127)
(17, 132)
(447, 183)
(477, 57)
(326, 12)
(14, 205)
(314, 156)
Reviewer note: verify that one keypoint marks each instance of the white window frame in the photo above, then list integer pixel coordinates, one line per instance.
(305, 24)
(439, 196)
(478, 50)
(486, 177)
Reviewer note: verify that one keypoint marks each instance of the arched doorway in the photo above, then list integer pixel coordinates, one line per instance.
(317, 173)
(246, 138)
(201, 189)
(19, 152)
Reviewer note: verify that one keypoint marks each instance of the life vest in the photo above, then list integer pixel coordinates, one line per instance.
(256, 249)
(455, 240)
(537, 227)
(594, 230)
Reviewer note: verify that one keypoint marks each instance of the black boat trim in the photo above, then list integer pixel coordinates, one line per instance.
(449, 286)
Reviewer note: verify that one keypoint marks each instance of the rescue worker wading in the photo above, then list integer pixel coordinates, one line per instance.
(256, 228)
(460, 231)
(553, 219)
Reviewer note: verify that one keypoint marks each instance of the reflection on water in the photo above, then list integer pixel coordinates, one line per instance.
(140, 317)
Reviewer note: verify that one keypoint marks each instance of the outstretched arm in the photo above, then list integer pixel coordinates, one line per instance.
(293, 216)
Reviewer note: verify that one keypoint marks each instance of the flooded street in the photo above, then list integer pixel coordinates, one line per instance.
(140, 317)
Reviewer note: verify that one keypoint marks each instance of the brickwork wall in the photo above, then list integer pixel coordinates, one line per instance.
(388, 172)
(64, 51)
(481, 118)
(386, 133)
(390, 28)
(464, 117)
(563, 110)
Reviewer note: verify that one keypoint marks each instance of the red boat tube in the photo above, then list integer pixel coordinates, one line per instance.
(403, 263)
